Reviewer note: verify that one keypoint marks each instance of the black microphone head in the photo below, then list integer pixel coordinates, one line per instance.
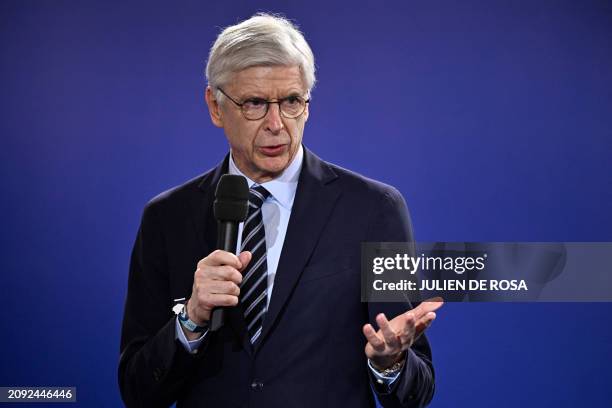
(231, 198)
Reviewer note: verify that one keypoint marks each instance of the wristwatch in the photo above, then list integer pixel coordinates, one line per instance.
(391, 371)
(181, 311)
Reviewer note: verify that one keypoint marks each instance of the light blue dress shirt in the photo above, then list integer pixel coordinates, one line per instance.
(275, 212)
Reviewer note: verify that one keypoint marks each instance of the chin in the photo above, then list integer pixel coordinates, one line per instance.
(275, 166)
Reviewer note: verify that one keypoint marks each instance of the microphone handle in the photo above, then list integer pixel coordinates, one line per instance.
(227, 239)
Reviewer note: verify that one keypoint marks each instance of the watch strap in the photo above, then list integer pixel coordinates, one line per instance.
(186, 322)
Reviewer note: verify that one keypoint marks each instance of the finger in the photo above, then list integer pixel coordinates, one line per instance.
(208, 301)
(428, 305)
(370, 334)
(424, 323)
(387, 331)
(245, 258)
(409, 324)
(222, 288)
(220, 257)
(221, 273)
(217, 300)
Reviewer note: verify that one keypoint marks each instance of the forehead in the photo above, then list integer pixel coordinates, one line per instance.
(271, 82)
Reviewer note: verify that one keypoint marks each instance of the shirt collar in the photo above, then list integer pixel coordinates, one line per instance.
(284, 186)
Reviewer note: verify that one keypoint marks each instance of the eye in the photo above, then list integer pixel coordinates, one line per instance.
(292, 100)
(254, 103)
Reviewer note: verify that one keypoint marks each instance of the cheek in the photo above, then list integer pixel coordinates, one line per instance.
(241, 138)
(297, 131)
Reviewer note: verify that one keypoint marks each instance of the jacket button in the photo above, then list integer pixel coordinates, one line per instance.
(256, 385)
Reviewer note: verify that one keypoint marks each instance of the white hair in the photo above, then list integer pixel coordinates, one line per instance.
(262, 40)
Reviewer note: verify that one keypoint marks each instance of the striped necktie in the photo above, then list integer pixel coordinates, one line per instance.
(254, 286)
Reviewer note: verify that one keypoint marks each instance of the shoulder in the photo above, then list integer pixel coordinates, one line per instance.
(359, 186)
(179, 192)
(378, 203)
(181, 198)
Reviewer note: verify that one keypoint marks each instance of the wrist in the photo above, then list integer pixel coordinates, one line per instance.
(391, 366)
(188, 325)
(189, 335)
(189, 311)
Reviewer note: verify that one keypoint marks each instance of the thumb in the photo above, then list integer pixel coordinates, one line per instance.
(245, 258)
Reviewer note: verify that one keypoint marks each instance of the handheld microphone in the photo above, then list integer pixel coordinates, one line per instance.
(230, 208)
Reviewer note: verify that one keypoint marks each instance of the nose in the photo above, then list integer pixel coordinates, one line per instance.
(273, 119)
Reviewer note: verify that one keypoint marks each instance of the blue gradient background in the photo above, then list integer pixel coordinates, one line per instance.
(494, 119)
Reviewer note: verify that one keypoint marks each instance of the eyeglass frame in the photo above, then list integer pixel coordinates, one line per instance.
(278, 101)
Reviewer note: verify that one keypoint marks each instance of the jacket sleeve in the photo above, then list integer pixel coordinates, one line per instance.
(415, 386)
(154, 367)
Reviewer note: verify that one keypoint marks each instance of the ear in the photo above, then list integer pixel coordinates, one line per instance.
(213, 107)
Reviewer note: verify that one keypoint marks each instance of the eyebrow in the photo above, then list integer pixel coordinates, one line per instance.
(256, 95)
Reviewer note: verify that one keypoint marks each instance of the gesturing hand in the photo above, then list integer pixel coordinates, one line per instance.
(387, 346)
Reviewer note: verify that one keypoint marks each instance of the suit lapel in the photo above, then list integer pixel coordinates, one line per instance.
(314, 201)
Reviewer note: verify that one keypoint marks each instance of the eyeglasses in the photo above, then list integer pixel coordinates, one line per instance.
(290, 107)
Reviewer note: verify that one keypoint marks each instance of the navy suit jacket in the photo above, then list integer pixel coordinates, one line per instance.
(311, 350)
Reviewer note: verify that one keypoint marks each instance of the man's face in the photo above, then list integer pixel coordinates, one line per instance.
(262, 148)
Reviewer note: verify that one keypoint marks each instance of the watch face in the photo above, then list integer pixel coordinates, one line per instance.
(178, 308)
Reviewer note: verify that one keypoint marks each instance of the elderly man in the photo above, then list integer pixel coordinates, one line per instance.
(296, 333)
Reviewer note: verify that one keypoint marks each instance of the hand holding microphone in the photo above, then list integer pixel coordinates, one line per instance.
(216, 282)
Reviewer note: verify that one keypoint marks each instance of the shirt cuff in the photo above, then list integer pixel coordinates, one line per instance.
(190, 346)
(383, 379)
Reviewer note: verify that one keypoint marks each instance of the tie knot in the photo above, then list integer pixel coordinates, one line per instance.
(257, 196)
